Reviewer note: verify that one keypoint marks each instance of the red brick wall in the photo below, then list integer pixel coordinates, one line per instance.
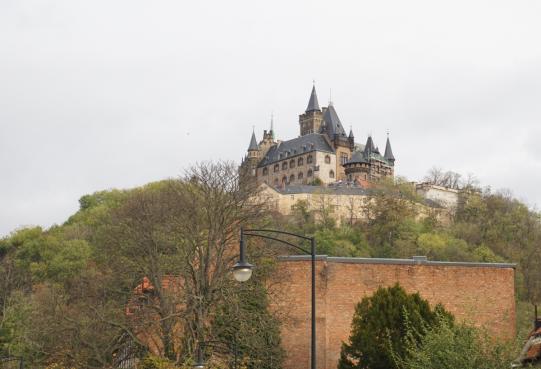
(479, 294)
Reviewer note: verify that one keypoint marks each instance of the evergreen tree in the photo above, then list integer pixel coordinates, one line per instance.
(380, 325)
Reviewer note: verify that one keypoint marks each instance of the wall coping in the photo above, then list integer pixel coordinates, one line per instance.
(416, 260)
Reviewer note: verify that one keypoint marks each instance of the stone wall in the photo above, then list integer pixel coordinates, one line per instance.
(478, 293)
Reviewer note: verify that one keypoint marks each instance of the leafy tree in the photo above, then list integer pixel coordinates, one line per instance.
(380, 325)
(454, 346)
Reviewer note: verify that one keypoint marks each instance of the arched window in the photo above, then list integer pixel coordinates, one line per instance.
(309, 174)
(309, 159)
(327, 159)
(292, 163)
(292, 178)
(284, 165)
(300, 175)
(284, 179)
(277, 167)
(265, 171)
(276, 181)
(331, 173)
(300, 161)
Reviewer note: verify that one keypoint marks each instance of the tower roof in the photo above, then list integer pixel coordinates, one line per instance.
(369, 147)
(313, 104)
(332, 122)
(388, 151)
(253, 143)
(351, 132)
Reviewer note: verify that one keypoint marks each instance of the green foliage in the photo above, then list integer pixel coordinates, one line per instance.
(241, 322)
(454, 346)
(380, 324)
(156, 362)
(343, 241)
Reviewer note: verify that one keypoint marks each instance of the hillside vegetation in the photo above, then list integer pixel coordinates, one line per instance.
(69, 294)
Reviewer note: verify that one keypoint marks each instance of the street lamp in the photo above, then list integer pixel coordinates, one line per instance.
(242, 270)
(200, 360)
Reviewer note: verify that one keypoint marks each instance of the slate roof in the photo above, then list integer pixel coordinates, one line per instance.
(332, 124)
(253, 143)
(313, 104)
(388, 151)
(369, 147)
(363, 154)
(296, 146)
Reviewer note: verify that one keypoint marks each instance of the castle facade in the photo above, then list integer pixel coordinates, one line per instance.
(322, 154)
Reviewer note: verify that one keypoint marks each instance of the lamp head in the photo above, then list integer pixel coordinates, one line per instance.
(242, 271)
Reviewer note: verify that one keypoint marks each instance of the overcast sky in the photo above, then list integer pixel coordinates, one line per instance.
(114, 94)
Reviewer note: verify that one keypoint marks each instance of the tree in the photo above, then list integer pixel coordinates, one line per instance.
(454, 346)
(379, 327)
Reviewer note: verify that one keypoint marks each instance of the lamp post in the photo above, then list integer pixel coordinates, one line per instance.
(200, 360)
(242, 270)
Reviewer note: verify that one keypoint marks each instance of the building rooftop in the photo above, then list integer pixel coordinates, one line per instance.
(415, 260)
(296, 146)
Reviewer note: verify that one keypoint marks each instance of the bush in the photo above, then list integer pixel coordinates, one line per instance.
(380, 325)
(450, 346)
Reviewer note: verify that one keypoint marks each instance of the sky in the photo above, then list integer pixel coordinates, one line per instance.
(102, 94)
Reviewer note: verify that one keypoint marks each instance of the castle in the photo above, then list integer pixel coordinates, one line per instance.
(322, 154)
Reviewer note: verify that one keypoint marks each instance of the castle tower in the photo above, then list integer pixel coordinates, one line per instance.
(310, 121)
(252, 159)
(268, 139)
(389, 152)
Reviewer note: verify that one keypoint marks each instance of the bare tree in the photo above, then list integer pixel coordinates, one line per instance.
(181, 236)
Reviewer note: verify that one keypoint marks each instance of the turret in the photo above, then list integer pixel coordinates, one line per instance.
(351, 139)
(310, 121)
(369, 148)
(389, 152)
(253, 149)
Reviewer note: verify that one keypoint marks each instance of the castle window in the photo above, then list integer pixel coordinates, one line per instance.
(331, 174)
(292, 178)
(300, 161)
(309, 159)
(309, 174)
(343, 158)
(284, 165)
(277, 167)
(276, 181)
(327, 159)
(284, 179)
(265, 171)
(292, 163)
(300, 175)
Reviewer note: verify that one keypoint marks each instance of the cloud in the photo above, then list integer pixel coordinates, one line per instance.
(102, 94)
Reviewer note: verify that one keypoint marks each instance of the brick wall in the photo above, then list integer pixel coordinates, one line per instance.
(481, 294)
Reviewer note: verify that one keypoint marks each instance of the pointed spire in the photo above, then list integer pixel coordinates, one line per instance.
(313, 104)
(388, 151)
(369, 148)
(272, 126)
(351, 132)
(253, 143)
